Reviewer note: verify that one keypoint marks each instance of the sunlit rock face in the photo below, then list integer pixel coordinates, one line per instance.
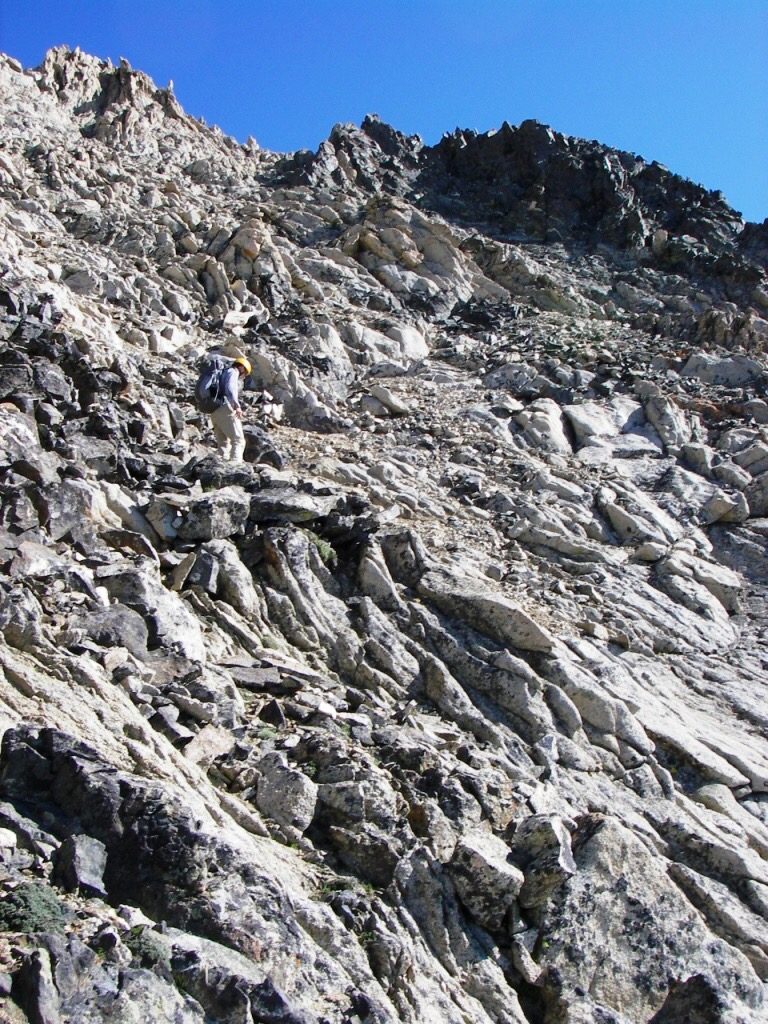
(448, 703)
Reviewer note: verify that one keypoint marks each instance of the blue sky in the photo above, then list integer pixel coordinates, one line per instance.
(684, 82)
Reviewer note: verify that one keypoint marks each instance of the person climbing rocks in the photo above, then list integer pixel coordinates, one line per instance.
(217, 395)
(227, 420)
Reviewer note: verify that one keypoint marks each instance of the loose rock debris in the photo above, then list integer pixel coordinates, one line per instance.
(447, 704)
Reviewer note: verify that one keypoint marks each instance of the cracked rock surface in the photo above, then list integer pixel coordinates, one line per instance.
(448, 704)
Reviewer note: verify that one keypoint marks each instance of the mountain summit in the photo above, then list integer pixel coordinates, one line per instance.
(447, 705)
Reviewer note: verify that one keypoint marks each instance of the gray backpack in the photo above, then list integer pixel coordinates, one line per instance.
(209, 391)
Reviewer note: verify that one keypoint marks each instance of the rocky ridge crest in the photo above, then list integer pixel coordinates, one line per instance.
(449, 704)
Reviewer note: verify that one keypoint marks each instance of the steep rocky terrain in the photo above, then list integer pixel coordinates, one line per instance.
(446, 707)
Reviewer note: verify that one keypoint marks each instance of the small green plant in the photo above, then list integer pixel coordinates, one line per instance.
(324, 549)
(147, 949)
(32, 907)
(330, 887)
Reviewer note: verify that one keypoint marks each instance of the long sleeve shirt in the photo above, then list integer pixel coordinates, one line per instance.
(230, 381)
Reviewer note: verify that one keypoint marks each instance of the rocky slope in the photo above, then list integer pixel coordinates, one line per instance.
(449, 704)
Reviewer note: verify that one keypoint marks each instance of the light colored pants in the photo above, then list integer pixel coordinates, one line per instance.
(228, 430)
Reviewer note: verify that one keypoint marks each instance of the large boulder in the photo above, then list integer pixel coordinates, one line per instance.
(622, 931)
(730, 371)
(489, 612)
(486, 880)
(542, 426)
(285, 794)
(756, 494)
(221, 513)
(594, 419)
(172, 626)
(75, 504)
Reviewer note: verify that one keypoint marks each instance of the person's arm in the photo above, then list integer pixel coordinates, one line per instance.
(229, 386)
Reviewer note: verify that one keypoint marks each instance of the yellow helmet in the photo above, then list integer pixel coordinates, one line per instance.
(242, 361)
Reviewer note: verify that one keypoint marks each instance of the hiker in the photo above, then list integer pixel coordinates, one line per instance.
(217, 395)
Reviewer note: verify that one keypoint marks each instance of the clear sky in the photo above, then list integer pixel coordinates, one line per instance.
(684, 82)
